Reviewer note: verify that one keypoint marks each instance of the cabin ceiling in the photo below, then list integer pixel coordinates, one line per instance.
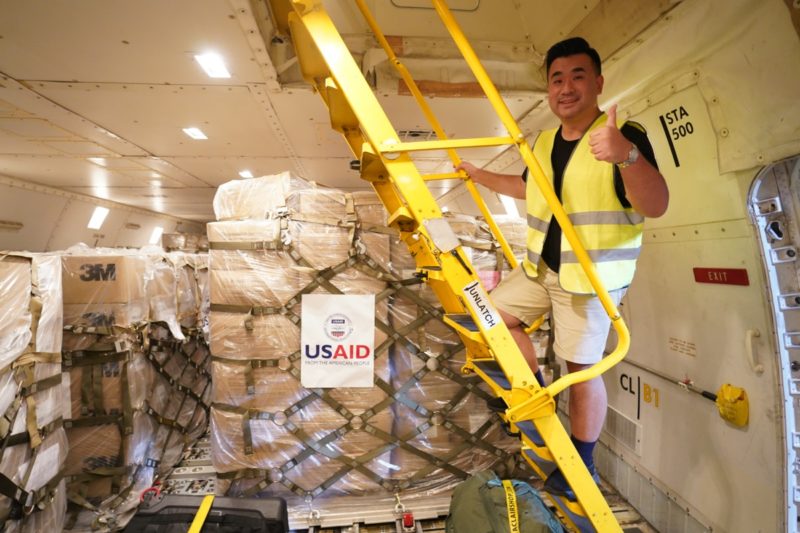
(94, 95)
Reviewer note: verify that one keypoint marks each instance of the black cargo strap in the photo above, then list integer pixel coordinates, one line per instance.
(42, 432)
(396, 394)
(169, 350)
(246, 245)
(12, 491)
(8, 419)
(26, 391)
(250, 365)
(81, 358)
(165, 344)
(102, 330)
(173, 382)
(92, 400)
(24, 502)
(122, 494)
(92, 421)
(164, 421)
(323, 279)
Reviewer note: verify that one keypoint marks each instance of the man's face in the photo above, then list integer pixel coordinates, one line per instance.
(573, 86)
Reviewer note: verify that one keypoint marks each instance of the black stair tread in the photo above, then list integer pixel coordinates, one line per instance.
(493, 370)
(463, 320)
(527, 428)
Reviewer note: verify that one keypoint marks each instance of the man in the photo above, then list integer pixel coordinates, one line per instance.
(608, 181)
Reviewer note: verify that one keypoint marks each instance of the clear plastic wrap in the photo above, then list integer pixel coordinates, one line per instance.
(99, 389)
(15, 315)
(105, 288)
(162, 292)
(8, 389)
(47, 287)
(173, 241)
(184, 242)
(421, 413)
(33, 470)
(275, 389)
(47, 401)
(515, 231)
(253, 198)
(188, 296)
(136, 391)
(36, 462)
(51, 518)
(199, 262)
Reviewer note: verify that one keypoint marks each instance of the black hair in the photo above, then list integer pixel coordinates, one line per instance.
(571, 47)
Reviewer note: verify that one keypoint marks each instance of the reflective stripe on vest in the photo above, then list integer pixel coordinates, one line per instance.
(611, 233)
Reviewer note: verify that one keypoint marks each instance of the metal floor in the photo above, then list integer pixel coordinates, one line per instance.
(195, 476)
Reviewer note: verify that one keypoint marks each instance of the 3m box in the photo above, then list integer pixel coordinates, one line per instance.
(103, 279)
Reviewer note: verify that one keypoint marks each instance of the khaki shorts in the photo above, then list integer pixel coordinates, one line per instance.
(581, 323)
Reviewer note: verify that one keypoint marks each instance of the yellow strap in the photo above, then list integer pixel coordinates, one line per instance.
(202, 513)
(511, 507)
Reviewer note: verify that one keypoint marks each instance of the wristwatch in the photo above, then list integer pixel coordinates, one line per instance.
(633, 157)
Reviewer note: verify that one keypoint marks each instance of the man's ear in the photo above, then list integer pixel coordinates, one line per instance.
(600, 81)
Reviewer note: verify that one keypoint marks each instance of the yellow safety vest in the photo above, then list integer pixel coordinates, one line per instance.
(611, 234)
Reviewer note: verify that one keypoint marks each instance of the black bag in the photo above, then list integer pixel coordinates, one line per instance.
(484, 504)
(174, 514)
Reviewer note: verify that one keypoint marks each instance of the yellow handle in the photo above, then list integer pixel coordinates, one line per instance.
(202, 514)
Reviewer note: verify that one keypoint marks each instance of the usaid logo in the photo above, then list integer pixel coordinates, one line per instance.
(338, 327)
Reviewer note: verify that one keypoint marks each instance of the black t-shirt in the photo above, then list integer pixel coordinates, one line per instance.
(562, 150)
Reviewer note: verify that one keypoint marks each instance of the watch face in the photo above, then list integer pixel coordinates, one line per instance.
(633, 155)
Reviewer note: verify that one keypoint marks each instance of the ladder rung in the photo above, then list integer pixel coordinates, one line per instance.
(463, 320)
(492, 370)
(464, 324)
(446, 144)
(541, 456)
(573, 511)
(448, 176)
(527, 428)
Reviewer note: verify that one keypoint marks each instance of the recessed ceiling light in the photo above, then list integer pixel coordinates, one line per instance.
(195, 133)
(246, 174)
(510, 204)
(213, 64)
(98, 217)
(156, 235)
(155, 183)
(98, 160)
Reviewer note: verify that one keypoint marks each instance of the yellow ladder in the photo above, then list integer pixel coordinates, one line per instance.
(386, 162)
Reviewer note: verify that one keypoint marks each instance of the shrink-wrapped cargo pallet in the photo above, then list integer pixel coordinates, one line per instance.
(136, 367)
(34, 444)
(184, 242)
(420, 429)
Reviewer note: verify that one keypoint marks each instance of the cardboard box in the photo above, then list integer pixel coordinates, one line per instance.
(103, 279)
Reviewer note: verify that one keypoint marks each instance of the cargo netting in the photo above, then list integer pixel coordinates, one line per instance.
(419, 430)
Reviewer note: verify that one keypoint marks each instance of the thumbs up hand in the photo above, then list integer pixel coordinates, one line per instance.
(607, 143)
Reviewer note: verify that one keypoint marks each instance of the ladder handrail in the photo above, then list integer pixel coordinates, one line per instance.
(535, 171)
(327, 64)
(437, 129)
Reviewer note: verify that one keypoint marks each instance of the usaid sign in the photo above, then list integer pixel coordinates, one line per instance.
(337, 340)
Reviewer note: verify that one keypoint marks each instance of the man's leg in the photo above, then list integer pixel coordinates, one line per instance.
(517, 330)
(587, 406)
(581, 330)
(521, 300)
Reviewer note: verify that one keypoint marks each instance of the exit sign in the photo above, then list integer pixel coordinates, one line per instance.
(722, 276)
